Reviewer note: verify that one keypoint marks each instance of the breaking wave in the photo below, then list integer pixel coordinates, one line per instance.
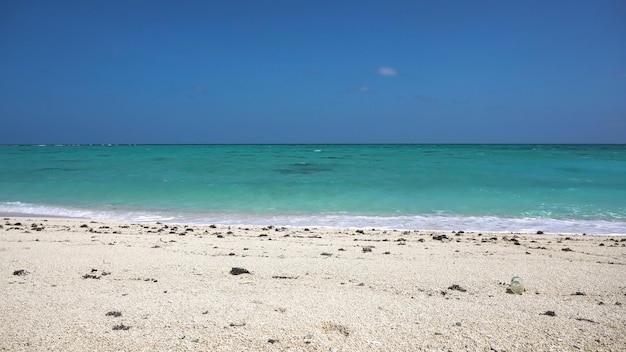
(333, 220)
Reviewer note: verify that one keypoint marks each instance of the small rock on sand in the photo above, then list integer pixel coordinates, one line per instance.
(238, 271)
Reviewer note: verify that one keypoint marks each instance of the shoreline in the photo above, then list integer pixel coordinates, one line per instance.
(307, 289)
(439, 223)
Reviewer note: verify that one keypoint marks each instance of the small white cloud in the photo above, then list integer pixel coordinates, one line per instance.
(387, 71)
(360, 89)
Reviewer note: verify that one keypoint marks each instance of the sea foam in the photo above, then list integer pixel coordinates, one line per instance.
(404, 222)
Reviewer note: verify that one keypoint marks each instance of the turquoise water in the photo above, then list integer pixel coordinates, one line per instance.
(556, 188)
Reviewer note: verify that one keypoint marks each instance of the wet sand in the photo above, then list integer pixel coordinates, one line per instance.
(76, 285)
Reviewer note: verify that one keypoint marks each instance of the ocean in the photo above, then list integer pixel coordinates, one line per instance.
(552, 188)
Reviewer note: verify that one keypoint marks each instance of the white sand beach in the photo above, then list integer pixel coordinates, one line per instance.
(83, 285)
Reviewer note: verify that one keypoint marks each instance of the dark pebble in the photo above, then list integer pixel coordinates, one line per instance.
(238, 271)
(440, 237)
(20, 272)
(90, 276)
(456, 287)
(549, 313)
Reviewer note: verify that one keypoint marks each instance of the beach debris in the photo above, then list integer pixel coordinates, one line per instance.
(284, 277)
(272, 341)
(342, 329)
(587, 320)
(93, 275)
(578, 293)
(549, 313)
(516, 286)
(121, 327)
(540, 232)
(326, 254)
(21, 272)
(456, 287)
(441, 238)
(238, 271)
(114, 313)
(567, 249)
(36, 227)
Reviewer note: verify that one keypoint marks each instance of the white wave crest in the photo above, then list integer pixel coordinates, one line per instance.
(404, 222)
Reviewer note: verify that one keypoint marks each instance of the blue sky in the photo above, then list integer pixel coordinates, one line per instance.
(313, 71)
